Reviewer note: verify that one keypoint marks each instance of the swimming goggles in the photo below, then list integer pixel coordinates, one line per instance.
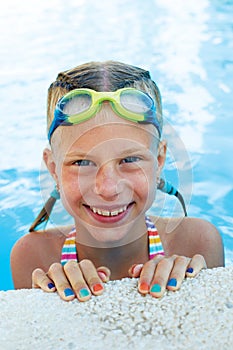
(80, 105)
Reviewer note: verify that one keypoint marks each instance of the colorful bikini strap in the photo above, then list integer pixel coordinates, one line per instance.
(155, 244)
(69, 251)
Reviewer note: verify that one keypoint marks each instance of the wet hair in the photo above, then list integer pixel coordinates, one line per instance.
(102, 76)
(98, 76)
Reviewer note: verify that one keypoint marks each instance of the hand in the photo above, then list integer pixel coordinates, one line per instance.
(162, 273)
(79, 280)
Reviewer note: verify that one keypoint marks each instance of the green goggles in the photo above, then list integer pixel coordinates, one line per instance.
(80, 105)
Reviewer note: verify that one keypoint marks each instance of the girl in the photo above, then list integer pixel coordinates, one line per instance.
(106, 156)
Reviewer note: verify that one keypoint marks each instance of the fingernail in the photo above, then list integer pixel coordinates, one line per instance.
(102, 275)
(84, 293)
(144, 287)
(68, 292)
(97, 287)
(51, 285)
(189, 270)
(137, 268)
(156, 288)
(172, 282)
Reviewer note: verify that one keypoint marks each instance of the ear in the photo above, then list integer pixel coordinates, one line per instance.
(162, 150)
(50, 163)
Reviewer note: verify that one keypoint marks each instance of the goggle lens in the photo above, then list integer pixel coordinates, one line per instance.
(137, 103)
(76, 104)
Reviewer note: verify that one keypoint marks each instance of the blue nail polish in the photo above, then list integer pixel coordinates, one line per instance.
(156, 288)
(189, 270)
(68, 292)
(51, 285)
(172, 282)
(84, 293)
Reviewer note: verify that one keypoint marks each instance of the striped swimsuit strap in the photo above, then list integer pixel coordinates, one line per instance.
(69, 251)
(155, 244)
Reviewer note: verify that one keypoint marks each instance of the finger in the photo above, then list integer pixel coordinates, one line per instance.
(135, 270)
(196, 264)
(56, 273)
(104, 273)
(178, 271)
(91, 276)
(161, 276)
(147, 274)
(77, 281)
(41, 280)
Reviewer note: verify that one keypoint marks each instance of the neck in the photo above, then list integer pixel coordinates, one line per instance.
(118, 259)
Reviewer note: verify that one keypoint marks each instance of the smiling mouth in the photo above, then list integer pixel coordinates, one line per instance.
(108, 213)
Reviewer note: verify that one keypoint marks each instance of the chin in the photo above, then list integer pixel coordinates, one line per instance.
(107, 237)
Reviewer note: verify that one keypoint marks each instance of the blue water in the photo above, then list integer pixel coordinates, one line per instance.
(187, 46)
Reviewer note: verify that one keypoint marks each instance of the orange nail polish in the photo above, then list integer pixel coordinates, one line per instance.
(97, 287)
(144, 287)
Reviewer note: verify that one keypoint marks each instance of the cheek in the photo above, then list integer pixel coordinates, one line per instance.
(76, 184)
(145, 183)
(71, 189)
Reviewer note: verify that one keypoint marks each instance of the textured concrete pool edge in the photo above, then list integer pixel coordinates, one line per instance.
(198, 316)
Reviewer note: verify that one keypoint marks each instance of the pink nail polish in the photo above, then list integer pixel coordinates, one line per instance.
(102, 275)
(137, 268)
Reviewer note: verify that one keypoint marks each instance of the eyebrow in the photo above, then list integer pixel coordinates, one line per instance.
(131, 150)
(76, 154)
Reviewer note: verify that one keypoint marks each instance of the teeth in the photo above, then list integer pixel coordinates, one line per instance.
(113, 213)
(107, 212)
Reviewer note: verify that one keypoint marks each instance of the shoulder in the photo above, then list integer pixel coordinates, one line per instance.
(33, 241)
(35, 249)
(190, 236)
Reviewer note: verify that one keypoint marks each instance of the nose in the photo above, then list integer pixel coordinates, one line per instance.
(108, 183)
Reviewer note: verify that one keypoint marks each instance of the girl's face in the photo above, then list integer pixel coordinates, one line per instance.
(106, 169)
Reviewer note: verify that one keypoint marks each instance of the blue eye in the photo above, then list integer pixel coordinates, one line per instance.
(83, 162)
(131, 159)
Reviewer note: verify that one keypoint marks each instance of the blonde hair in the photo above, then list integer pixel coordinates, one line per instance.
(102, 76)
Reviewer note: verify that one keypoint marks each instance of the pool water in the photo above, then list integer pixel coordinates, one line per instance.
(186, 45)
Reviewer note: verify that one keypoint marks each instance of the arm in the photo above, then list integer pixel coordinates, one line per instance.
(35, 262)
(192, 246)
(35, 249)
(197, 236)
(212, 245)
(22, 262)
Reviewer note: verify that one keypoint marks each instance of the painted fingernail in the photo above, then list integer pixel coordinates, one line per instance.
(189, 270)
(144, 287)
(97, 287)
(172, 282)
(68, 292)
(51, 285)
(102, 275)
(137, 268)
(84, 293)
(156, 288)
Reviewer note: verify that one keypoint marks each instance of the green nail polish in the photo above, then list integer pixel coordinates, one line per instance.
(84, 293)
(156, 288)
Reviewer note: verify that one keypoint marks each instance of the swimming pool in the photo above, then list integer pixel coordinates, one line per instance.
(188, 49)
